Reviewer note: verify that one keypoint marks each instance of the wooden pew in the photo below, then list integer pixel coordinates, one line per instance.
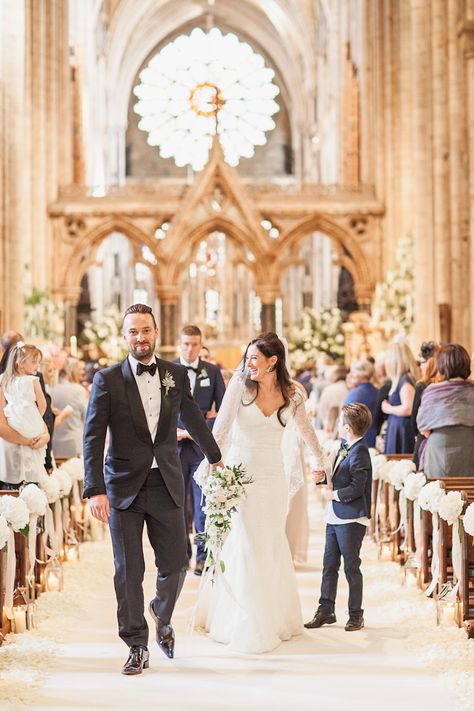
(466, 584)
(389, 514)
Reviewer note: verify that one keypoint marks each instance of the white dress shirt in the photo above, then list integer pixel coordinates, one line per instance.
(149, 387)
(191, 374)
(330, 515)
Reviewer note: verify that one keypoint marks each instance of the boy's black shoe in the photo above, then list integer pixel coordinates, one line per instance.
(354, 623)
(321, 618)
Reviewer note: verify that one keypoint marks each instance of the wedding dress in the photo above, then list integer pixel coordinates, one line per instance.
(254, 604)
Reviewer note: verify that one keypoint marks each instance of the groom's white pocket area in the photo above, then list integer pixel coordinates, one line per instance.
(205, 383)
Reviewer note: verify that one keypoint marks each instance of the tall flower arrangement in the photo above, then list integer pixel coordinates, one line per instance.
(394, 298)
(319, 333)
(44, 318)
(105, 335)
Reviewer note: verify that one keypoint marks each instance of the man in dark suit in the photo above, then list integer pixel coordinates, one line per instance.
(138, 401)
(207, 387)
(347, 517)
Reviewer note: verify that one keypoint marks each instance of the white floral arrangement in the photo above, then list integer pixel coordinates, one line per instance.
(64, 480)
(451, 506)
(413, 484)
(224, 489)
(4, 531)
(15, 511)
(35, 499)
(378, 460)
(106, 335)
(430, 496)
(319, 333)
(400, 471)
(74, 467)
(384, 470)
(468, 520)
(394, 298)
(50, 486)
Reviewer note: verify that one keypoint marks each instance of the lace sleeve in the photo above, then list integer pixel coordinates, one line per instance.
(224, 421)
(307, 433)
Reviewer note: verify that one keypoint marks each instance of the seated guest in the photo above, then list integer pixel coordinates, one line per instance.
(67, 438)
(332, 397)
(446, 417)
(363, 391)
(429, 374)
(402, 370)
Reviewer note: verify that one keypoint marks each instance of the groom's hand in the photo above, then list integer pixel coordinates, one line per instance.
(100, 508)
(319, 476)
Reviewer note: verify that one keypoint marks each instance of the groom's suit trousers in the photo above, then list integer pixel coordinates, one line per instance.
(166, 530)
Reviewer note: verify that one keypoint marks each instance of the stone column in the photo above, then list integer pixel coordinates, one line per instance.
(268, 295)
(169, 320)
(70, 297)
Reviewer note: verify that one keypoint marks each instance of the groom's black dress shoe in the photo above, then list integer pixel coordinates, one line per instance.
(164, 634)
(354, 623)
(138, 659)
(321, 618)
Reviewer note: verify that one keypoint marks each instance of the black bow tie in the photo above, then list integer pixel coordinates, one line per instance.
(190, 367)
(141, 368)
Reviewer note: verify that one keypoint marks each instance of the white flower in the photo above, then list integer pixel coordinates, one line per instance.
(413, 484)
(468, 520)
(35, 499)
(168, 382)
(384, 471)
(15, 511)
(50, 486)
(430, 496)
(74, 467)
(64, 480)
(450, 507)
(4, 531)
(399, 472)
(377, 461)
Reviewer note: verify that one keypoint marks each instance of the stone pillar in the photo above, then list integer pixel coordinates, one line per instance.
(425, 318)
(268, 295)
(70, 297)
(268, 317)
(169, 320)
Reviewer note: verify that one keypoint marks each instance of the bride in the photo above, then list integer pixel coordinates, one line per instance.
(254, 604)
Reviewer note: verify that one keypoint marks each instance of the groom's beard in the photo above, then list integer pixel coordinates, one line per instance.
(142, 351)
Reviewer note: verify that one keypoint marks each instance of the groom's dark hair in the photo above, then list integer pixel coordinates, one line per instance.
(139, 309)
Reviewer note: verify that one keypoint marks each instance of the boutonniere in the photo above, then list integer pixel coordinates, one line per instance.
(344, 451)
(168, 382)
(203, 374)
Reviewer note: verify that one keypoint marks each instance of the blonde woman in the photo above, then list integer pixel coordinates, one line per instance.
(403, 372)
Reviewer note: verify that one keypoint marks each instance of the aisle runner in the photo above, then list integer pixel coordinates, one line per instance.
(399, 661)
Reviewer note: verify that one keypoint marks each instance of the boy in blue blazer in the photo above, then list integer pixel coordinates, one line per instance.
(348, 497)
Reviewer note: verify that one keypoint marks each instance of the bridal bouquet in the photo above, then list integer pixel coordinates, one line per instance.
(224, 489)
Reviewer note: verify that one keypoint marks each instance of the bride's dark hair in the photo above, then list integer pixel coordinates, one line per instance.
(270, 345)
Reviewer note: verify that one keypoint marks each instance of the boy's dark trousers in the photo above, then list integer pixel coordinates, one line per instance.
(342, 539)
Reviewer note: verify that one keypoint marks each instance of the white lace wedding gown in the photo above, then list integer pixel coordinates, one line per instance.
(254, 604)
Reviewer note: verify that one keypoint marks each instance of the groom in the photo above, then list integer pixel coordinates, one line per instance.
(138, 401)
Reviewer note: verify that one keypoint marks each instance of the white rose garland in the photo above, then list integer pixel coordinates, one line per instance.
(15, 511)
(468, 520)
(4, 531)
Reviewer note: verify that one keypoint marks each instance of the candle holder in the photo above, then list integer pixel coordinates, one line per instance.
(409, 572)
(53, 576)
(20, 606)
(71, 549)
(31, 612)
(447, 606)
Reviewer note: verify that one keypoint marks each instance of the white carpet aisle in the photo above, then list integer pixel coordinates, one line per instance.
(399, 662)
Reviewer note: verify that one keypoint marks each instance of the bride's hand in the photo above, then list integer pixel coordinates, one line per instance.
(319, 476)
(217, 465)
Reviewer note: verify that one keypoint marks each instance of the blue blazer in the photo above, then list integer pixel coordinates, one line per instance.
(208, 391)
(352, 479)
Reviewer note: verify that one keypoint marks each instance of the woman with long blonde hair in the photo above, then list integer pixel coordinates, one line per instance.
(402, 370)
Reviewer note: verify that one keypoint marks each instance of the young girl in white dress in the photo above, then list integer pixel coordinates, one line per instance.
(24, 409)
(254, 605)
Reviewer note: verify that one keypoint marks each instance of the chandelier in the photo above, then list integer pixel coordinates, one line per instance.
(204, 84)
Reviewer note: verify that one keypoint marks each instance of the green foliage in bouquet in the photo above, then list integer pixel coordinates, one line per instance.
(318, 333)
(44, 318)
(394, 297)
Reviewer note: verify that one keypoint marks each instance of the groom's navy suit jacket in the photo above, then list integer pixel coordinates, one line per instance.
(209, 389)
(352, 479)
(115, 404)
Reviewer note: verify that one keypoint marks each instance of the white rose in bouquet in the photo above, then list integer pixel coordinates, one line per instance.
(413, 484)
(4, 531)
(15, 511)
(450, 507)
(468, 520)
(50, 486)
(35, 499)
(430, 496)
